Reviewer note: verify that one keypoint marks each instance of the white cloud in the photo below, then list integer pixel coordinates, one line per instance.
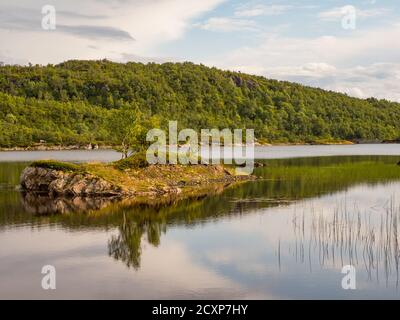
(149, 23)
(352, 91)
(228, 25)
(261, 10)
(338, 13)
(311, 69)
(379, 80)
(355, 64)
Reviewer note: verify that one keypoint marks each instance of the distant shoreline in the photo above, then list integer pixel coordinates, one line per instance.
(258, 144)
(56, 148)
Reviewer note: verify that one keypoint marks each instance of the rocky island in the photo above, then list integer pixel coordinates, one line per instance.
(128, 178)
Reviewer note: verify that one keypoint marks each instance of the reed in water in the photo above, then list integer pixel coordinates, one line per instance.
(347, 235)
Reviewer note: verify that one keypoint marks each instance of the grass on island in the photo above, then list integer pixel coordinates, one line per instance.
(134, 173)
(57, 165)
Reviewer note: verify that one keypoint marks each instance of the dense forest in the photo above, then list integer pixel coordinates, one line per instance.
(80, 102)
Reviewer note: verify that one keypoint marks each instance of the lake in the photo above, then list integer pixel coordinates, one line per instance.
(314, 210)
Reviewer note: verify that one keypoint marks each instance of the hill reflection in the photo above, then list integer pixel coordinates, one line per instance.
(135, 220)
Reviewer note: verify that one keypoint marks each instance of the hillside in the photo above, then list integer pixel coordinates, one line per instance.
(75, 102)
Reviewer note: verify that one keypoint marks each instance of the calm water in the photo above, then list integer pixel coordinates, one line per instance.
(287, 235)
(273, 152)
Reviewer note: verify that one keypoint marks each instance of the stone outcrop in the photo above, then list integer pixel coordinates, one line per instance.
(151, 181)
(59, 183)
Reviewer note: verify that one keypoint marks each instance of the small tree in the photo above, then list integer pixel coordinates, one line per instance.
(129, 127)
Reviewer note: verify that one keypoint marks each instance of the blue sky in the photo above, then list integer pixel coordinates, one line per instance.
(346, 46)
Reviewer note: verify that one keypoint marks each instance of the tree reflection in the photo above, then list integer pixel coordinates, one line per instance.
(127, 245)
(282, 182)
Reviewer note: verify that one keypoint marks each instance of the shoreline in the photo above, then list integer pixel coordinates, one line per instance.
(257, 144)
(56, 148)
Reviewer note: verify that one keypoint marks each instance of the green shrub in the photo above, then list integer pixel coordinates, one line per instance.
(138, 160)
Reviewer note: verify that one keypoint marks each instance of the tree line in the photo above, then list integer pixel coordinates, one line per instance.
(81, 102)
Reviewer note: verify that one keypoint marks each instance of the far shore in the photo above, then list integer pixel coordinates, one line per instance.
(257, 144)
(57, 148)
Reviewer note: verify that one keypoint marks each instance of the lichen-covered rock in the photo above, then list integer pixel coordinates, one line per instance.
(55, 183)
(96, 180)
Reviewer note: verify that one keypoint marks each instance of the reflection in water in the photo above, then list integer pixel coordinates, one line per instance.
(282, 183)
(319, 237)
(42, 204)
(347, 235)
(134, 218)
(126, 246)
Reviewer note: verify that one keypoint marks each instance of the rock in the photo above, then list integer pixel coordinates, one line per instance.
(150, 181)
(56, 183)
(171, 190)
(240, 82)
(38, 179)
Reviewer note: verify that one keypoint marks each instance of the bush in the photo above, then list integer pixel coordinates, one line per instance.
(138, 160)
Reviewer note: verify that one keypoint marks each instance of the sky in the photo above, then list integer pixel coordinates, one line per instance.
(346, 46)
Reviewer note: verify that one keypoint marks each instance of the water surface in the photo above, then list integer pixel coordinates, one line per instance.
(266, 152)
(287, 235)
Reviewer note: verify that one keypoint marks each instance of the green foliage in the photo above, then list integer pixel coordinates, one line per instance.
(129, 127)
(57, 165)
(81, 102)
(26, 121)
(137, 160)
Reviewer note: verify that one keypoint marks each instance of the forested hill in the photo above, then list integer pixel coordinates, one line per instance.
(77, 102)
